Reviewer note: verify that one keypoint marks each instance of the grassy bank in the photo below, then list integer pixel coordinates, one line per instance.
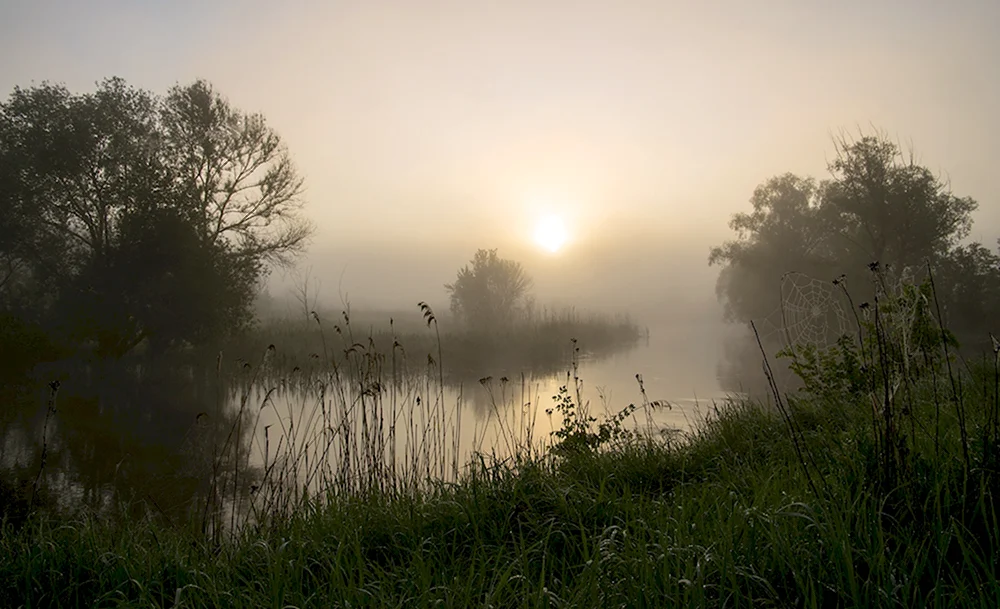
(872, 485)
(728, 518)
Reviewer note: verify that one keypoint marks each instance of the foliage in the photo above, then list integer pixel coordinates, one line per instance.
(725, 518)
(490, 293)
(577, 432)
(878, 206)
(538, 346)
(834, 374)
(831, 497)
(902, 368)
(240, 181)
(73, 166)
(898, 323)
(22, 344)
(890, 209)
(128, 217)
(967, 282)
(785, 226)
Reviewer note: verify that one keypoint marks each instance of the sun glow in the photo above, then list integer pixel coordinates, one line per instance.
(551, 233)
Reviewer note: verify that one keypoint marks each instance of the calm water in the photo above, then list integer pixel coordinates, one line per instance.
(176, 439)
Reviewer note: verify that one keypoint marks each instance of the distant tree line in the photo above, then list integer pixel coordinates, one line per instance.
(879, 206)
(128, 217)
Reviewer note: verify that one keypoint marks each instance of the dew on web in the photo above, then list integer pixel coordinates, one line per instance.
(811, 313)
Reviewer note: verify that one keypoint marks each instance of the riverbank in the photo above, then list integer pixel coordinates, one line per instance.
(740, 513)
(543, 343)
(872, 484)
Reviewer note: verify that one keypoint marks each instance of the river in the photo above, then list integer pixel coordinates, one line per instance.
(164, 439)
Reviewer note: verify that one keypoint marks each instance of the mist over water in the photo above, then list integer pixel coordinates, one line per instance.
(599, 152)
(462, 303)
(151, 432)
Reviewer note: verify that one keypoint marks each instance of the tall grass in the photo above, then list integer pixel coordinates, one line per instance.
(538, 342)
(364, 423)
(360, 425)
(872, 486)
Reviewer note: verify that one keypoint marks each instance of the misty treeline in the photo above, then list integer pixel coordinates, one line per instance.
(130, 217)
(880, 218)
(493, 326)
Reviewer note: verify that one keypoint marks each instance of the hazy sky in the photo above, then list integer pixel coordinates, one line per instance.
(428, 129)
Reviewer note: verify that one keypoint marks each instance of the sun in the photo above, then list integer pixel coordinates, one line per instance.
(551, 233)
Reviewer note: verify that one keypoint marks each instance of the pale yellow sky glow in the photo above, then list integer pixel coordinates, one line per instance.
(427, 129)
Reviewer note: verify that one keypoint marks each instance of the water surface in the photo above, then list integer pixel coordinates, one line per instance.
(182, 440)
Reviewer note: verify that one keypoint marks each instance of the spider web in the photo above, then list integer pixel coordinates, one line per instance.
(811, 313)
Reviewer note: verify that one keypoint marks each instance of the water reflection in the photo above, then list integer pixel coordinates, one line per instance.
(109, 437)
(210, 444)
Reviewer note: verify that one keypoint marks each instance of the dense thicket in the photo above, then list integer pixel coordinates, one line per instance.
(879, 206)
(128, 217)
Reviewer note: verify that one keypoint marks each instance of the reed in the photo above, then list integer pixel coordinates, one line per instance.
(873, 485)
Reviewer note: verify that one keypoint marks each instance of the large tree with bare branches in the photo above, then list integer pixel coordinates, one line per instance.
(127, 216)
(238, 175)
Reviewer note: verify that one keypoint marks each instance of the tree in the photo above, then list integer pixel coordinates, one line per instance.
(967, 282)
(76, 166)
(785, 225)
(489, 294)
(134, 217)
(241, 182)
(877, 206)
(886, 208)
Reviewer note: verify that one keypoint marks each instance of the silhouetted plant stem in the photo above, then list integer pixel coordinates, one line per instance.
(50, 411)
(960, 408)
(793, 432)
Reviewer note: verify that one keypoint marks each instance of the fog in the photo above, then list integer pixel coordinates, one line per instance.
(426, 130)
(590, 155)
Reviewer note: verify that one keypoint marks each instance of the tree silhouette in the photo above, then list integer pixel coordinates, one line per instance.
(877, 206)
(134, 217)
(239, 178)
(884, 206)
(784, 228)
(490, 293)
(968, 286)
